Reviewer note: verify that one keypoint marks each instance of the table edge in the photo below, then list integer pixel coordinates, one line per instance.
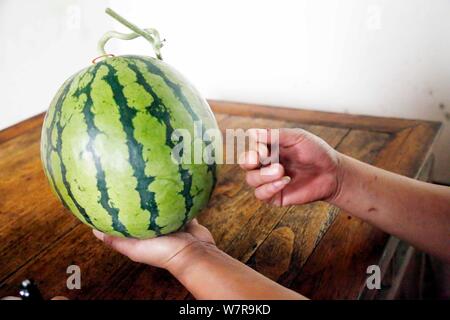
(305, 116)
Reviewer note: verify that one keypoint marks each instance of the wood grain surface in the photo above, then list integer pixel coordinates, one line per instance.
(314, 249)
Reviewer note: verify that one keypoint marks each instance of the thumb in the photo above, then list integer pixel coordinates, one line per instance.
(124, 246)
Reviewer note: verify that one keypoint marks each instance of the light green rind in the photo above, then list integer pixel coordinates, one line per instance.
(112, 147)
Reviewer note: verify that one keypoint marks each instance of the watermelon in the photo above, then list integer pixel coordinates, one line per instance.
(107, 143)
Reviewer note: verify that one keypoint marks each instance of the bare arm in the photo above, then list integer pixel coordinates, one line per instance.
(412, 210)
(208, 273)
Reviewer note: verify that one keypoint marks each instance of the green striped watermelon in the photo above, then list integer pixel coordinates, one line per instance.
(106, 147)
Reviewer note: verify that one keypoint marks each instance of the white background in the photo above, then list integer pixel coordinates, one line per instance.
(386, 58)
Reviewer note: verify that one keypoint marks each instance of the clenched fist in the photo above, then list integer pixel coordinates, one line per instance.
(308, 168)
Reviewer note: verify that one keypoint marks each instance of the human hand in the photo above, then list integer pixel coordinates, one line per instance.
(203, 269)
(162, 252)
(308, 168)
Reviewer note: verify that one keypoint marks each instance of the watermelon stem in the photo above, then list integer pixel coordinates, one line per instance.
(151, 35)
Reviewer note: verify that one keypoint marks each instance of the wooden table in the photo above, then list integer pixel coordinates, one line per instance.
(314, 249)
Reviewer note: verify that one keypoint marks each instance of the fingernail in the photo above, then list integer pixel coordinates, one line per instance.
(99, 235)
(282, 182)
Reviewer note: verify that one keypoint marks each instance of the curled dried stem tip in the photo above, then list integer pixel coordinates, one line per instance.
(151, 35)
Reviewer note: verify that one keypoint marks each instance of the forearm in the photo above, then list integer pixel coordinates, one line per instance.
(409, 209)
(209, 273)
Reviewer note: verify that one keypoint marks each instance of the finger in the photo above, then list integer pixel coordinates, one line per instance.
(284, 137)
(259, 146)
(256, 178)
(199, 231)
(249, 160)
(59, 298)
(257, 134)
(253, 138)
(252, 159)
(268, 190)
(263, 151)
(123, 245)
(194, 221)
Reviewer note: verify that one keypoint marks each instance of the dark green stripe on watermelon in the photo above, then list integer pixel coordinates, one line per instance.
(179, 93)
(137, 161)
(93, 131)
(56, 122)
(51, 148)
(158, 110)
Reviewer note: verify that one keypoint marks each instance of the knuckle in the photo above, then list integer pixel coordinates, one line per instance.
(298, 131)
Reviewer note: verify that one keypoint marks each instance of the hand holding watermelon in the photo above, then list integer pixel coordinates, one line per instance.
(163, 252)
(207, 272)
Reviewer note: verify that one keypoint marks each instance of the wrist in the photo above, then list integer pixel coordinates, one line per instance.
(189, 257)
(342, 174)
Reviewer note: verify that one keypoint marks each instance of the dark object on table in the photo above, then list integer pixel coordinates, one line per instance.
(29, 291)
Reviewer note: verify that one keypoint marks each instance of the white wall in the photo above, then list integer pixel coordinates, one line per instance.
(387, 58)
